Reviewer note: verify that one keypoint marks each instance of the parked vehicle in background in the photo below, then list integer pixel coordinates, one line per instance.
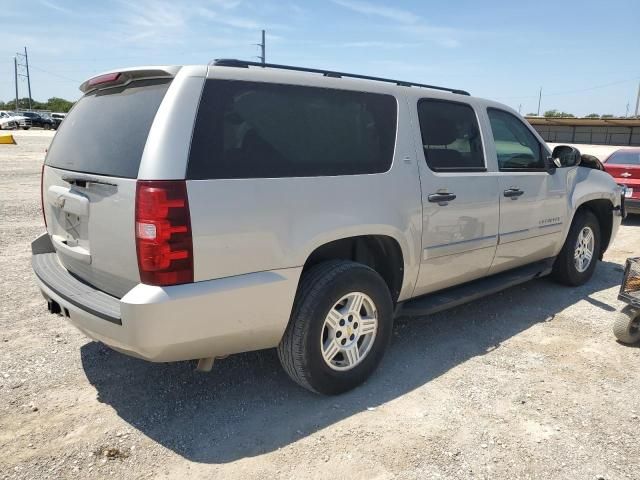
(624, 166)
(34, 119)
(57, 119)
(46, 117)
(7, 121)
(195, 212)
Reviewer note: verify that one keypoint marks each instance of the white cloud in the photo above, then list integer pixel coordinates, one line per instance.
(406, 22)
(376, 44)
(371, 9)
(56, 7)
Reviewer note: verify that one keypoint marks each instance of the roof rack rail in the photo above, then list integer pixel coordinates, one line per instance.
(231, 62)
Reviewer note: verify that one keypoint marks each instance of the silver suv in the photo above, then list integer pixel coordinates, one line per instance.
(199, 211)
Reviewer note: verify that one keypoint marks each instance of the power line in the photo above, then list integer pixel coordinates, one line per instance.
(570, 92)
(57, 75)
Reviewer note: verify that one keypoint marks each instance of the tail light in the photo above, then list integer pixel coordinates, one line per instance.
(42, 195)
(163, 232)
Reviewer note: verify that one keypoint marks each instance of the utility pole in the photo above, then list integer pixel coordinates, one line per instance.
(638, 101)
(539, 101)
(15, 70)
(263, 47)
(24, 65)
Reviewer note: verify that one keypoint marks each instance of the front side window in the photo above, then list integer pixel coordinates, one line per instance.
(516, 146)
(450, 136)
(262, 130)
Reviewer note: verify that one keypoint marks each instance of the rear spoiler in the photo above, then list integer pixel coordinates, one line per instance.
(126, 75)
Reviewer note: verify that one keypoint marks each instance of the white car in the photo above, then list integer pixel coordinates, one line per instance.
(8, 121)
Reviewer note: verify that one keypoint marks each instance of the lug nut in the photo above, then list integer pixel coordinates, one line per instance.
(344, 340)
(352, 337)
(342, 322)
(338, 334)
(355, 325)
(351, 318)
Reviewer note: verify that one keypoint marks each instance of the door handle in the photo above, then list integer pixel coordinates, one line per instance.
(513, 192)
(441, 197)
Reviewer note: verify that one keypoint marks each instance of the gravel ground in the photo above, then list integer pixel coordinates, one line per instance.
(528, 383)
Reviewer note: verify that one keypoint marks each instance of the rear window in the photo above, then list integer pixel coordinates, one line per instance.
(450, 136)
(105, 132)
(624, 158)
(261, 130)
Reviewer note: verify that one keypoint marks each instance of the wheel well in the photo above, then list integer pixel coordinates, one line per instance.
(380, 252)
(602, 209)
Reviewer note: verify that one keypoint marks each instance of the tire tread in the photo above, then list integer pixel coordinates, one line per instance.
(291, 350)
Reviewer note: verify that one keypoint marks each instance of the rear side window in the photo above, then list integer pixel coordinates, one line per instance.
(106, 131)
(624, 158)
(450, 136)
(261, 130)
(516, 146)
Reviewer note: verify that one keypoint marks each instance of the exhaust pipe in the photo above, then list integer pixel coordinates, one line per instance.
(205, 364)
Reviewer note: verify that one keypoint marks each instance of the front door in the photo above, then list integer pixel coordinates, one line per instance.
(532, 200)
(459, 197)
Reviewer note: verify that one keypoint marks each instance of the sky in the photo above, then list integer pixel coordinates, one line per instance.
(585, 55)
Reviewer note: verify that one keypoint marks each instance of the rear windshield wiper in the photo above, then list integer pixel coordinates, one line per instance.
(83, 181)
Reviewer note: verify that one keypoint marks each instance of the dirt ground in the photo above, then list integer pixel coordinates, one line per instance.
(528, 383)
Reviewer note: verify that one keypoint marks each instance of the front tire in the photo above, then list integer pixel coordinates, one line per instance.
(577, 260)
(339, 329)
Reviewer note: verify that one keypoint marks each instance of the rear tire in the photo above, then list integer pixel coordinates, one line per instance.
(626, 326)
(571, 266)
(339, 329)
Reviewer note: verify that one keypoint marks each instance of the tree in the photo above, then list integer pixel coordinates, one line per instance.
(56, 104)
(592, 115)
(606, 115)
(558, 114)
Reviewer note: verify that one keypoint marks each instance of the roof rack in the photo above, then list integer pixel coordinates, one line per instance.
(231, 62)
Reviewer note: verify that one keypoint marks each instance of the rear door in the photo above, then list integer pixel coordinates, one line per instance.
(89, 182)
(459, 196)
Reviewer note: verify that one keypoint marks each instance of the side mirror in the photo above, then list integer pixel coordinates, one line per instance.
(566, 156)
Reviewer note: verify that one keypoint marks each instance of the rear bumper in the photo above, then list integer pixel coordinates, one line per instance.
(182, 322)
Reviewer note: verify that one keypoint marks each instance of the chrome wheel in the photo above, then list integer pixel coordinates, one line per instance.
(349, 331)
(584, 248)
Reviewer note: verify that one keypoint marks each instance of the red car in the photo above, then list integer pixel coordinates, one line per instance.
(624, 166)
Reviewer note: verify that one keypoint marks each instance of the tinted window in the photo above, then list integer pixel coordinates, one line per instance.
(105, 131)
(516, 146)
(258, 130)
(624, 158)
(450, 136)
